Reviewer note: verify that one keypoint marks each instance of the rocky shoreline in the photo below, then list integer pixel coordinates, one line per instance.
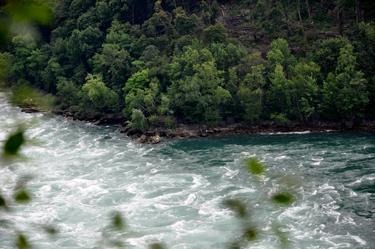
(229, 127)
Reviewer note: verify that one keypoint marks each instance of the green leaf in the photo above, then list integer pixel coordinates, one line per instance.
(117, 221)
(254, 166)
(156, 246)
(22, 242)
(2, 202)
(283, 198)
(50, 230)
(4, 33)
(22, 196)
(250, 234)
(236, 206)
(30, 11)
(13, 143)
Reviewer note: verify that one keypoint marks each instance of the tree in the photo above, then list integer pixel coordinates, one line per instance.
(347, 90)
(200, 96)
(138, 120)
(114, 64)
(99, 95)
(23, 46)
(302, 90)
(280, 55)
(217, 33)
(137, 81)
(277, 93)
(185, 24)
(251, 93)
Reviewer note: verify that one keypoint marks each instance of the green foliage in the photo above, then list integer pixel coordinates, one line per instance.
(149, 53)
(13, 143)
(68, 90)
(283, 198)
(184, 24)
(237, 207)
(114, 64)
(200, 95)
(217, 33)
(154, 119)
(99, 95)
(138, 120)
(346, 91)
(22, 196)
(169, 123)
(254, 166)
(118, 221)
(156, 246)
(139, 80)
(29, 11)
(326, 54)
(226, 56)
(251, 93)
(21, 242)
(281, 117)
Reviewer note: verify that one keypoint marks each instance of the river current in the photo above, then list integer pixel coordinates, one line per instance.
(173, 192)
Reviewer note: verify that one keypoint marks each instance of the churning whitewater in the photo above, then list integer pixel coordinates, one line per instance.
(173, 192)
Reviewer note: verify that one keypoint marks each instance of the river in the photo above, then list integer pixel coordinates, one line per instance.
(173, 192)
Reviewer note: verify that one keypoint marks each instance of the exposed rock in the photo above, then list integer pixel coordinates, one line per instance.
(97, 122)
(349, 124)
(222, 124)
(124, 129)
(132, 132)
(143, 139)
(155, 139)
(150, 133)
(135, 136)
(29, 110)
(193, 134)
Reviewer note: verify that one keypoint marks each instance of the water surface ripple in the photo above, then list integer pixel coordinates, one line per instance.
(173, 192)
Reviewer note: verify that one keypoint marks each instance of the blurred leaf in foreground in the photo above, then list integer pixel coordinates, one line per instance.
(22, 196)
(250, 234)
(50, 230)
(29, 11)
(283, 198)
(13, 144)
(118, 221)
(156, 246)
(3, 203)
(254, 166)
(22, 242)
(236, 206)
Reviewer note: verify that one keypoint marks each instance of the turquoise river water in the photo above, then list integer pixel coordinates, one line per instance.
(173, 192)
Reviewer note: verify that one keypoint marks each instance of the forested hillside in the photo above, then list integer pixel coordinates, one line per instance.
(201, 61)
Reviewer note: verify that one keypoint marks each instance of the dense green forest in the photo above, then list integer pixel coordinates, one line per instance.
(199, 61)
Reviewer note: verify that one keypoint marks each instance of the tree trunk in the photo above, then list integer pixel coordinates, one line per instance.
(299, 12)
(308, 10)
(341, 22)
(356, 14)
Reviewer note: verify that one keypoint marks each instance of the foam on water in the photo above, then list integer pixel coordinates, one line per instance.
(173, 192)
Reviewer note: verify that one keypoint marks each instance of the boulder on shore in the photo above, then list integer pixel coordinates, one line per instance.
(29, 110)
(143, 139)
(155, 139)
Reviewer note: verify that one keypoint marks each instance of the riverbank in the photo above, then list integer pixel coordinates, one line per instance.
(229, 127)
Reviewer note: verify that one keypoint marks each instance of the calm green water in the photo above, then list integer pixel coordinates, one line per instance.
(173, 192)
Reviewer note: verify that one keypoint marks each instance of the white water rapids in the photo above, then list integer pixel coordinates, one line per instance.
(173, 192)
